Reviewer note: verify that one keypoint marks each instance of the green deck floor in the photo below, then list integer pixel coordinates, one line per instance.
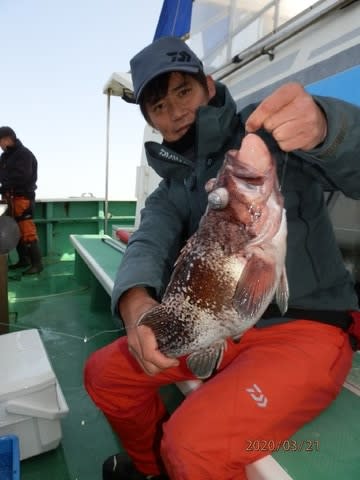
(59, 307)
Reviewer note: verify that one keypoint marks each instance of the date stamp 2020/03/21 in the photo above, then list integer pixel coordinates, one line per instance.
(283, 445)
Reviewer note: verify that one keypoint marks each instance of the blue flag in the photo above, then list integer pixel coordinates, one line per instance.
(175, 19)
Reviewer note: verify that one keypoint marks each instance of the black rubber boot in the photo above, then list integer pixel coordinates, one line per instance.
(119, 467)
(35, 259)
(23, 254)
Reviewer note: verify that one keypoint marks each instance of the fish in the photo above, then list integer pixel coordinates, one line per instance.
(231, 268)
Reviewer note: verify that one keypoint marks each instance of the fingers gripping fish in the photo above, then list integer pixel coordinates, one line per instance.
(231, 268)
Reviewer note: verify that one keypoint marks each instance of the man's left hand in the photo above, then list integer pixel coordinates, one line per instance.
(292, 117)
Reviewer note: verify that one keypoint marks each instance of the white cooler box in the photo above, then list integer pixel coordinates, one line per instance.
(31, 400)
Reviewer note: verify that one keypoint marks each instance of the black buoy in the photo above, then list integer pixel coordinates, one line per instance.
(9, 238)
(9, 234)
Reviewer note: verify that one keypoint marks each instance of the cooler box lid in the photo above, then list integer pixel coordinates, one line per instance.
(25, 366)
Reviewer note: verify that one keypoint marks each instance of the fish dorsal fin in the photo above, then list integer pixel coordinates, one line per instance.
(282, 293)
(203, 362)
(254, 287)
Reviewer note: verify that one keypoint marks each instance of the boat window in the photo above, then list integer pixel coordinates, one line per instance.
(221, 29)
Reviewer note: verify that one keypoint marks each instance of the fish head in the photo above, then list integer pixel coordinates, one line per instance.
(247, 184)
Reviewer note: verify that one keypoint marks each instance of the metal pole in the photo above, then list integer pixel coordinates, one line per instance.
(106, 209)
(4, 302)
(288, 30)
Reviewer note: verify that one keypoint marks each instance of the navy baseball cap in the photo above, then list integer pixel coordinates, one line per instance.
(167, 54)
(7, 132)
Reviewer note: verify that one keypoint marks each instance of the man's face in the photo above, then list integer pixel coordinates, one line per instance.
(173, 114)
(5, 142)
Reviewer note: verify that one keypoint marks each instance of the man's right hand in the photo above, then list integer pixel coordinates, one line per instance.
(141, 340)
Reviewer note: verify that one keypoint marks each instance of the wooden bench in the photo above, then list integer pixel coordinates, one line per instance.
(327, 448)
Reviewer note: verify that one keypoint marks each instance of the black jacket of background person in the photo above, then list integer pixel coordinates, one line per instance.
(18, 171)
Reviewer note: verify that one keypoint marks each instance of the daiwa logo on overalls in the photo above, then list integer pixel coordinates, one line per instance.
(257, 395)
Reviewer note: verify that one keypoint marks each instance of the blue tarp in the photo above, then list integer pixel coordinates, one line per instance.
(175, 19)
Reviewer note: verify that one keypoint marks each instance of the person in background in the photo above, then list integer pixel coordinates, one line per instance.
(285, 370)
(18, 176)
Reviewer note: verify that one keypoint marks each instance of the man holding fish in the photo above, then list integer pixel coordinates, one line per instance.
(231, 276)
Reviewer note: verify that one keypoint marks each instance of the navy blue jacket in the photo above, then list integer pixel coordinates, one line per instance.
(316, 273)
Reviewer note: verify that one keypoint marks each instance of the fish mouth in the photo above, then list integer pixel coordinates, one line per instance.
(249, 177)
(247, 172)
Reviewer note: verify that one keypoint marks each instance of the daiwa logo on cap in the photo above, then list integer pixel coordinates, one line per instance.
(179, 56)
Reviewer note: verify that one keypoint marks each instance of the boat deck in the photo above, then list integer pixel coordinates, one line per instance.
(60, 305)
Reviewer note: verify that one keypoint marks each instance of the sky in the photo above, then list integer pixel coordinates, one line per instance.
(56, 57)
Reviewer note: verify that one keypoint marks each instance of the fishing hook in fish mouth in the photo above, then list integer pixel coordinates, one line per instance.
(218, 198)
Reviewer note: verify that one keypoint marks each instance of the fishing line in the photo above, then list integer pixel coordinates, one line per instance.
(43, 331)
(48, 295)
(71, 350)
(283, 170)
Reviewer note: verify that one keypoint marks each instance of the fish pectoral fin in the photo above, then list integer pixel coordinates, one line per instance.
(203, 362)
(153, 318)
(282, 293)
(164, 325)
(254, 286)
